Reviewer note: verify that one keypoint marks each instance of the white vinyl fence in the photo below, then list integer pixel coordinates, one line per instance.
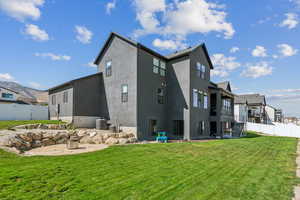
(23, 112)
(277, 129)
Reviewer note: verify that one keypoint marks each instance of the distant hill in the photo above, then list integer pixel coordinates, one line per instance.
(39, 95)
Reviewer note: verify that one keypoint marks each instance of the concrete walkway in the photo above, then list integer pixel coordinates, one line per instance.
(297, 188)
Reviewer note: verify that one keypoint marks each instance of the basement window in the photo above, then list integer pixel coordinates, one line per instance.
(124, 94)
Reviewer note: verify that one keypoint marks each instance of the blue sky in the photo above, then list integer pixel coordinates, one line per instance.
(254, 45)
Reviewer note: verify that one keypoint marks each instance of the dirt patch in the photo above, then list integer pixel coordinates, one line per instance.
(61, 149)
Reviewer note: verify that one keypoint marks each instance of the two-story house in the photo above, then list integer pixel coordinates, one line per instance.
(146, 92)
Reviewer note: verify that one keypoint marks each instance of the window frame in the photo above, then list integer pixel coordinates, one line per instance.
(7, 95)
(160, 95)
(65, 97)
(53, 99)
(108, 68)
(159, 67)
(205, 100)
(124, 95)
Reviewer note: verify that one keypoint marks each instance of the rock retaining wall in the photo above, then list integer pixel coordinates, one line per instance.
(24, 140)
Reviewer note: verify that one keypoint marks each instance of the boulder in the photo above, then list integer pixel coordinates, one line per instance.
(132, 140)
(111, 141)
(48, 142)
(42, 126)
(82, 133)
(123, 141)
(61, 141)
(26, 137)
(37, 136)
(98, 139)
(92, 134)
(86, 140)
(36, 144)
(48, 135)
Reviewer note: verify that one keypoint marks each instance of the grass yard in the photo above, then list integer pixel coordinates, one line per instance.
(11, 124)
(250, 168)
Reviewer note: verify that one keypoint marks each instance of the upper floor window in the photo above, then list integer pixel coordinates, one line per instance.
(200, 70)
(124, 95)
(160, 96)
(200, 99)
(7, 96)
(159, 67)
(53, 99)
(108, 68)
(227, 104)
(65, 97)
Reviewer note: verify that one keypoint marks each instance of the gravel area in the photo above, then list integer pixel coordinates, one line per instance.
(61, 149)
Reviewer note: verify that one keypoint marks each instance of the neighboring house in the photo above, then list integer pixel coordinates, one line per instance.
(8, 96)
(240, 109)
(270, 114)
(256, 107)
(293, 120)
(279, 116)
(144, 91)
(221, 109)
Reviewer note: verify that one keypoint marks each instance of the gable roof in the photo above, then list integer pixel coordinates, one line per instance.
(74, 80)
(139, 45)
(225, 85)
(254, 99)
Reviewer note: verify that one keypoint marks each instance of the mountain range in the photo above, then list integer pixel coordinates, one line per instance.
(40, 96)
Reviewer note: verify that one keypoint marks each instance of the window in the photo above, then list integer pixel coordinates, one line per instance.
(159, 67)
(195, 98)
(7, 96)
(153, 127)
(124, 96)
(201, 127)
(203, 71)
(178, 127)
(53, 99)
(200, 97)
(162, 68)
(108, 68)
(160, 96)
(227, 104)
(200, 70)
(65, 97)
(205, 101)
(155, 65)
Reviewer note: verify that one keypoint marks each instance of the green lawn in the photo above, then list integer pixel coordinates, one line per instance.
(250, 168)
(11, 124)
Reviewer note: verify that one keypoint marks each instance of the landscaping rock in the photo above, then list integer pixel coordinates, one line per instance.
(86, 140)
(111, 141)
(48, 142)
(123, 141)
(98, 139)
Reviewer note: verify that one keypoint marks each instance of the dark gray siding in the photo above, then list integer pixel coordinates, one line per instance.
(124, 71)
(199, 114)
(66, 109)
(148, 106)
(89, 97)
(178, 94)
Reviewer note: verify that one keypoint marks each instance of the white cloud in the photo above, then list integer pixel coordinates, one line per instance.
(234, 49)
(35, 85)
(291, 21)
(223, 65)
(6, 77)
(53, 56)
(36, 33)
(84, 35)
(91, 64)
(286, 90)
(181, 18)
(286, 50)
(110, 6)
(168, 44)
(259, 51)
(22, 9)
(257, 70)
